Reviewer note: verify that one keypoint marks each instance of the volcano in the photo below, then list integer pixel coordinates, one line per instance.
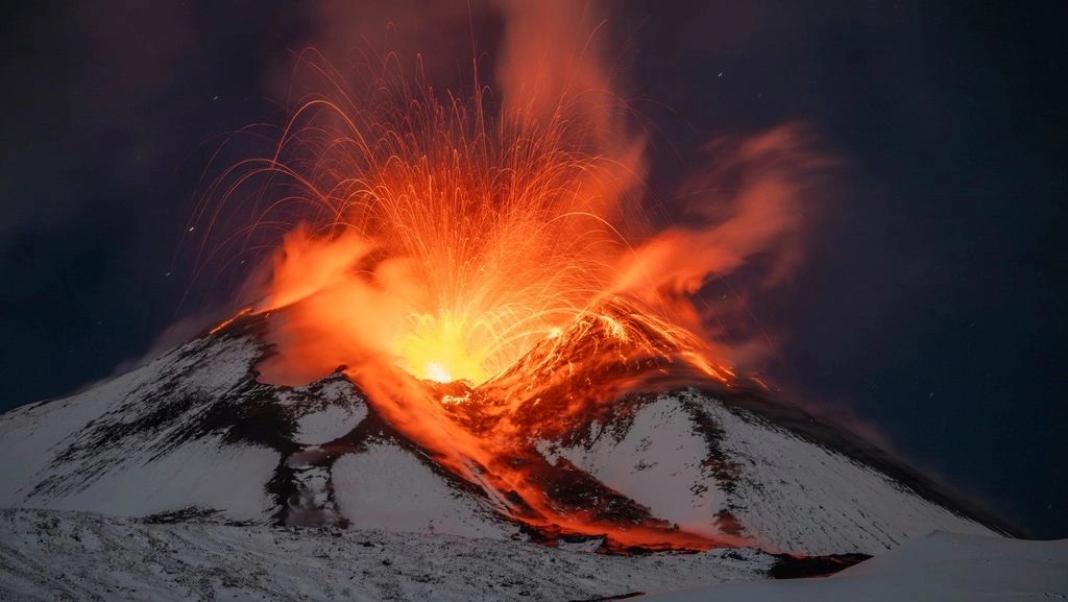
(194, 434)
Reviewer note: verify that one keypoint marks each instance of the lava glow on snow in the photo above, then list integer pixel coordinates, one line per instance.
(481, 265)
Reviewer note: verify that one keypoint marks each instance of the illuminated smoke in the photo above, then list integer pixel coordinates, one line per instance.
(495, 242)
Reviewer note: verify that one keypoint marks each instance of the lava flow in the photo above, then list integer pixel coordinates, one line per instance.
(481, 266)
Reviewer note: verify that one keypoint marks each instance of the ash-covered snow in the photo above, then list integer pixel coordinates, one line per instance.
(761, 480)
(946, 567)
(119, 447)
(324, 411)
(235, 483)
(657, 461)
(195, 429)
(387, 487)
(801, 496)
(48, 555)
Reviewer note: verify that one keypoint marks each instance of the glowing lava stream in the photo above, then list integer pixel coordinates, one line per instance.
(485, 435)
(436, 238)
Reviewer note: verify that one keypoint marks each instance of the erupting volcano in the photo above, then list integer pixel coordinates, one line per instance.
(474, 291)
(481, 265)
(511, 300)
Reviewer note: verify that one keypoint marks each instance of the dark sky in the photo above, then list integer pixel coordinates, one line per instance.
(932, 304)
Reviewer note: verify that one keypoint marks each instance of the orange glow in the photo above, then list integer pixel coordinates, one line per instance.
(483, 270)
(222, 325)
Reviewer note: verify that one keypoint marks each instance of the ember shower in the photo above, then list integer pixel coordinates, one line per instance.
(479, 261)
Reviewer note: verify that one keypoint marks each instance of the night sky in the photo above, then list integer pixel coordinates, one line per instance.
(931, 306)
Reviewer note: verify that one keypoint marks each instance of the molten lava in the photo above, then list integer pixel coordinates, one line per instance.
(484, 272)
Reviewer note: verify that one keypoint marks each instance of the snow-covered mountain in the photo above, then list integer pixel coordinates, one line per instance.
(194, 434)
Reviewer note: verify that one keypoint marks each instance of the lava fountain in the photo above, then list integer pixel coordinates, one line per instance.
(480, 265)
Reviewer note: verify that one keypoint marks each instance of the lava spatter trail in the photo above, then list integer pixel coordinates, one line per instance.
(481, 265)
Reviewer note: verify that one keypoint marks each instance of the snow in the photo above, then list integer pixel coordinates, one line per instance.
(178, 480)
(942, 566)
(328, 424)
(194, 432)
(324, 410)
(657, 463)
(124, 448)
(789, 493)
(388, 487)
(800, 496)
(51, 555)
(32, 437)
(47, 555)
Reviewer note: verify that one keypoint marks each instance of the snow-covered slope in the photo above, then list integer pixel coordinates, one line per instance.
(943, 566)
(713, 467)
(47, 555)
(134, 445)
(50, 555)
(194, 432)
